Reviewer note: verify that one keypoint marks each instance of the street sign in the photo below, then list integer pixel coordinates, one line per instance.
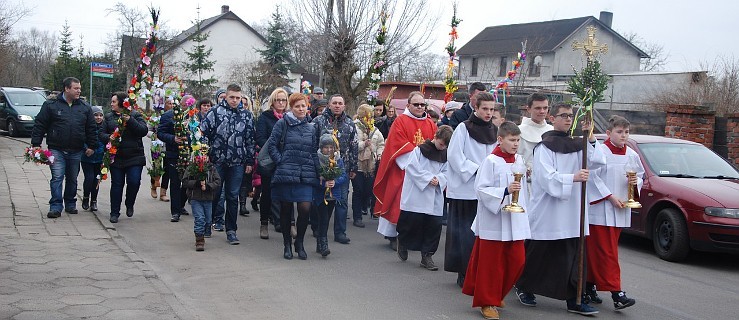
(101, 65)
(100, 70)
(104, 70)
(102, 75)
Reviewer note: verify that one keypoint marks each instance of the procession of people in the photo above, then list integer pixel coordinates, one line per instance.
(512, 191)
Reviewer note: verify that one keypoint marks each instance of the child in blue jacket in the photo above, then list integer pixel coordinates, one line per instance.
(327, 202)
(91, 167)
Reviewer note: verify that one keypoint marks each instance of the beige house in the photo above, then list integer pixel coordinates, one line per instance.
(550, 57)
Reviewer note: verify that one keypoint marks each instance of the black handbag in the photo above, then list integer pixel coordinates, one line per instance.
(266, 165)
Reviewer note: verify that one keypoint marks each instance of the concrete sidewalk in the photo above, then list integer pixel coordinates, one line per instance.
(72, 267)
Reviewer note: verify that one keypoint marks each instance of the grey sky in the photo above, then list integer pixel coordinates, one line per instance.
(691, 32)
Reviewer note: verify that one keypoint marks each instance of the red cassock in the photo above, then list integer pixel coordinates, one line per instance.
(493, 270)
(602, 253)
(405, 134)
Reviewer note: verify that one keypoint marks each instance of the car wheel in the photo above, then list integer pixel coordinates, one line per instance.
(12, 128)
(670, 236)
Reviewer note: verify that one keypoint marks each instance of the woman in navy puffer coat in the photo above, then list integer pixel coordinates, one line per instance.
(296, 173)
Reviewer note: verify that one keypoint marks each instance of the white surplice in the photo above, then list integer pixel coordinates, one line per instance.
(555, 197)
(611, 180)
(531, 135)
(491, 221)
(418, 195)
(464, 156)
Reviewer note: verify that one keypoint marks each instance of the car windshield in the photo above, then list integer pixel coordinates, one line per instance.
(686, 160)
(28, 98)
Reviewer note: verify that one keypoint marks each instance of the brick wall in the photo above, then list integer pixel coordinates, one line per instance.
(732, 137)
(694, 123)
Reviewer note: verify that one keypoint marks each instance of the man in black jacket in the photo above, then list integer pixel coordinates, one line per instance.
(464, 113)
(69, 126)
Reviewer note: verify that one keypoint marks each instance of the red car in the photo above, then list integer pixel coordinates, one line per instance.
(690, 198)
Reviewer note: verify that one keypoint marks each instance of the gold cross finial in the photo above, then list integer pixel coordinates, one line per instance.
(590, 46)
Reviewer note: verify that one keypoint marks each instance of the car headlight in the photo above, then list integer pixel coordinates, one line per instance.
(24, 117)
(722, 212)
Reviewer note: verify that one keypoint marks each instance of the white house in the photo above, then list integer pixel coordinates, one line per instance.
(232, 41)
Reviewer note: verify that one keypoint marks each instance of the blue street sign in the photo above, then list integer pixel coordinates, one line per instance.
(101, 65)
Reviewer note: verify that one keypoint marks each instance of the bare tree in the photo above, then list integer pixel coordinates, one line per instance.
(422, 68)
(657, 54)
(32, 54)
(720, 89)
(251, 75)
(133, 23)
(10, 14)
(344, 32)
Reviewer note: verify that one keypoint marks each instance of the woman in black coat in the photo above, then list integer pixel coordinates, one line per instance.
(296, 173)
(129, 159)
(277, 107)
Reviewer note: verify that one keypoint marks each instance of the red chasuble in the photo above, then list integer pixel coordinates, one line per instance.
(405, 134)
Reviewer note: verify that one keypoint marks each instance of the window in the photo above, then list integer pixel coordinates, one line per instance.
(473, 71)
(503, 67)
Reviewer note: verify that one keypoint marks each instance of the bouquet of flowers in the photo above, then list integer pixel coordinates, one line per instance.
(328, 172)
(198, 168)
(157, 159)
(38, 156)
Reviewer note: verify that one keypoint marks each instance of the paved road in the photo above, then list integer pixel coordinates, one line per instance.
(365, 280)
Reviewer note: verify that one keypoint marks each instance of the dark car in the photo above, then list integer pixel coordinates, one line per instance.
(690, 198)
(18, 108)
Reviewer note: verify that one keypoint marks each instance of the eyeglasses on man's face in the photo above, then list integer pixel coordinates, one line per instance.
(419, 105)
(566, 116)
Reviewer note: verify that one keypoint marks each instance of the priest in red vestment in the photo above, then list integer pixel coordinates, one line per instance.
(410, 129)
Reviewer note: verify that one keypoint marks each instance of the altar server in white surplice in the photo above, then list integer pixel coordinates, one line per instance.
(532, 127)
(552, 253)
(472, 141)
(608, 189)
(498, 255)
(422, 198)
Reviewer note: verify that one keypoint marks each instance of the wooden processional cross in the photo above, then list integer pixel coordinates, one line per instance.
(591, 48)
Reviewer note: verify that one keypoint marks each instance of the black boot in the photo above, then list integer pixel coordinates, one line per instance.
(288, 242)
(324, 246)
(85, 203)
(300, 250)
(254, 205)
(319, 245)
(94, 205)
(243, 211)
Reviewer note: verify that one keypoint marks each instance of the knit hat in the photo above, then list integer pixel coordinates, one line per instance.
(452, 105)
(327, 139)
(322, 102)
(218, 93)
(97, 109)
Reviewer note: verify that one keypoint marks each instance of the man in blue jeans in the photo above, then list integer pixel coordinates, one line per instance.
(229, 130)
(68, 125)
(335, 121)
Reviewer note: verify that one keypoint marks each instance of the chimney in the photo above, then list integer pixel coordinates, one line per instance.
(607, 18)
(224, 9)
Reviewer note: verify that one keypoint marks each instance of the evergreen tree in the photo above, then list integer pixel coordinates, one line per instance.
(65, 47)
(275, 56)
(64, 66)
(590, 77)
(198, 63)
